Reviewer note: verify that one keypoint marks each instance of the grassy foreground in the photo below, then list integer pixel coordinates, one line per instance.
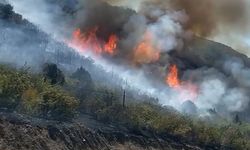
(51, 95)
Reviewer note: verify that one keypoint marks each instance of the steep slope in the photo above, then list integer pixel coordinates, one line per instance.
(18, 132)
(201, 52)
(25, 133)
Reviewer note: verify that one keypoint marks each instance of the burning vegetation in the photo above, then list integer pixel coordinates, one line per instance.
(145, 51)
(111, 45)
(147, 39)
(89, 41)
(145, 42)
(172, 78)
(186, 89)
(140, 45)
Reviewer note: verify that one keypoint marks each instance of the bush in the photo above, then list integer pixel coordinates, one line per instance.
(31, 100)
(26, 93)
(98, 100)
(164, 121)
(114, 113)
(83, 85)
(12, 86)
(53, 75)
(58, 105)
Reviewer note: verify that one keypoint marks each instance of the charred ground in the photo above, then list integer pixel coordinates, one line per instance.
(56, 93)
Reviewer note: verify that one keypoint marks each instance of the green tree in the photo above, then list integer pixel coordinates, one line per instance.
(7, 11)
(12, 86)
(53, 74)
(58, 105)
(84, 85)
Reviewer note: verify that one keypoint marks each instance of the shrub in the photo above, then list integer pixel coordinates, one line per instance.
(27, 93)
(53, 75)
(58, 105)
(83, 86)
(30, 101)
(114, 113)
(12, 86)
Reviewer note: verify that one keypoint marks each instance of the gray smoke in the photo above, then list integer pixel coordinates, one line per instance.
(212, 19)
(225, 89)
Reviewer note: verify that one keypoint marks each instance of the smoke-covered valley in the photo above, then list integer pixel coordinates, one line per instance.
(156, 52)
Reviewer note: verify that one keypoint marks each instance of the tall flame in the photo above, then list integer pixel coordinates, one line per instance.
(89, 41)
(172, 78)
(111, 45)
(186, 89)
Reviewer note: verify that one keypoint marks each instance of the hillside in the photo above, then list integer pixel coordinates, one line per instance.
(43, 109)
(25, 133)
(51, 98)
(202, 52)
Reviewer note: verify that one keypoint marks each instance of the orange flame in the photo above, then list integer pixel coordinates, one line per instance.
(172, 78)
(111, 45)
(89, 41)
(186, 89)
(145, 51)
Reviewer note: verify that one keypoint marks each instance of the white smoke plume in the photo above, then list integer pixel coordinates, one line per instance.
(224, 90)
(167, 31)
(46, 17)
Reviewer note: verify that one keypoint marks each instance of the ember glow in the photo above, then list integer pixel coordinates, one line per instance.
(89, 41)
(172, 78)
(145, 51)
(186, 89)
(111, 45)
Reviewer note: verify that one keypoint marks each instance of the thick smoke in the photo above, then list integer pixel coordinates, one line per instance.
(18, 41)
(218, 91)
(204, 16)
(50, 18)
(165, 26)
(167, 29)
(93, 13)
(159, 30)
(225, 21)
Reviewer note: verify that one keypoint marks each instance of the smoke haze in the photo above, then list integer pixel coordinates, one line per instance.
(148, 35)
(224, 21)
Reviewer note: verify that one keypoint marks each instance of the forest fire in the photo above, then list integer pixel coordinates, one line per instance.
(89, 41)
(172, 78)
(186, 89)
(145, 51)
(111, 45)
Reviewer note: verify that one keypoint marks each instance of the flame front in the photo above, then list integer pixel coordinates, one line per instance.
(111, 45)
(186, 89)
(144, 52)
(172, 78)
(89, 41)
